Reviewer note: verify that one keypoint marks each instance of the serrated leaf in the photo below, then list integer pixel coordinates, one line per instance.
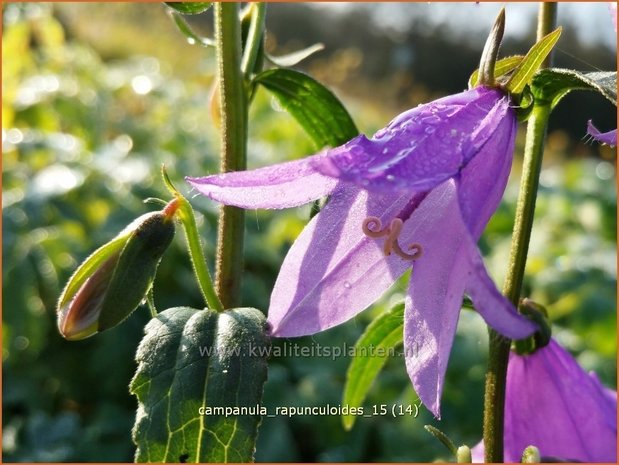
(552, 84)
(190, 8)
(294, 58)
(382, 335)
(502, 67)
(188, 32)
(316, 108)
(190, 359)
(531, 62)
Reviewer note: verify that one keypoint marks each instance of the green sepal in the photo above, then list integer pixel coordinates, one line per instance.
(502, 67)
(136, 268)
(385, 333)
(188, 360)
(530, 64)
(541, 338)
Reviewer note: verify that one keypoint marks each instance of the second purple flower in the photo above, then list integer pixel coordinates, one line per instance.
(418, 194)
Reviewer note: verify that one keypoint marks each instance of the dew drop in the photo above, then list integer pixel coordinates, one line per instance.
(347, 285)
(390, 177)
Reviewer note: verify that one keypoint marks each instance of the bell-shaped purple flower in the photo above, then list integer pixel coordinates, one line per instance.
(420, 191)
(553, 404)
(609, 137)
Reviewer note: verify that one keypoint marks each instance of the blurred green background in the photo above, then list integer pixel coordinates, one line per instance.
(96, 96)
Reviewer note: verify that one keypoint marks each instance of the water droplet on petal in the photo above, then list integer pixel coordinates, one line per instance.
(390, 177)
(347, 285)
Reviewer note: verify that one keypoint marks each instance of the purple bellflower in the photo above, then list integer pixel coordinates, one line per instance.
(421, 192)
(609, 137)
(553, 404)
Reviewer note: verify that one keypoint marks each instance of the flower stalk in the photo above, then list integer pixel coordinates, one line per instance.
(499, 346)
(233, 104)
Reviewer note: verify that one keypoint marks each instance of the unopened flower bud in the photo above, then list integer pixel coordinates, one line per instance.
(110, 284)
(463, 455)
(531, 455)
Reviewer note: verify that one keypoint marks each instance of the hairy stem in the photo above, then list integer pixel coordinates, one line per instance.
(233, 104)
(499, 346)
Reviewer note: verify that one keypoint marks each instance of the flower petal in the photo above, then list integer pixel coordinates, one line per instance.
(283, 185)
(495, 309)
(333, 271)
(432, 306)
(609, 137)
(450, 264)
(482, 182)
(552, 403)
(422, 147)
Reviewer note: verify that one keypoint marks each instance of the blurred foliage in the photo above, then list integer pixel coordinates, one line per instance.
(84, 132)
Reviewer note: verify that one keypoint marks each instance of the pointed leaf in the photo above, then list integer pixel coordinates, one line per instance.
(316, 108)
(531, 62)
(188, 32)
(502, 67)
(190, 8)
(190, 360)
(552, 84)
(382, 335)
(294, 58)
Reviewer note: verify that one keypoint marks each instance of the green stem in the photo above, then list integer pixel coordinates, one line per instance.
(499, 346)
(233, 104)
(254, 38)
(198, 260)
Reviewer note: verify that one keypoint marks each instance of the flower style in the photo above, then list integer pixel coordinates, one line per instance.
(553, 404)
(418, 194)
(609, 137)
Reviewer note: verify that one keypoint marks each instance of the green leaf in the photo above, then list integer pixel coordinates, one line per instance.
(190, 359)
(382, 335)
(552, 84)
(190, 8)
(315, 108)
(531, 62)
(188, 32)
(502, 67)
(438, 434)
(294, 58)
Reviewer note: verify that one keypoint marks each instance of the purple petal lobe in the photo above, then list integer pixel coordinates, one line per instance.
(422, 147)
(609, 137)
(284, 185)
(482, 181)
(432, 306)
(554, 404)
(495, 309)
(333, 271)
(450, 265)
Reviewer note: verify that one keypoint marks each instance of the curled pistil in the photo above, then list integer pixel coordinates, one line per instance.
(373, 227)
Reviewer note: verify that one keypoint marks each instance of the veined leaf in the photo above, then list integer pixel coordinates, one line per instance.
(382, 335)
(191, 359)
(502, 67)
(190, 8)
(531, 62)
(552, 84)
(316, 108)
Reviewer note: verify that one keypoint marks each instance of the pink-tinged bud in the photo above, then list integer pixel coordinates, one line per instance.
(109, 285)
